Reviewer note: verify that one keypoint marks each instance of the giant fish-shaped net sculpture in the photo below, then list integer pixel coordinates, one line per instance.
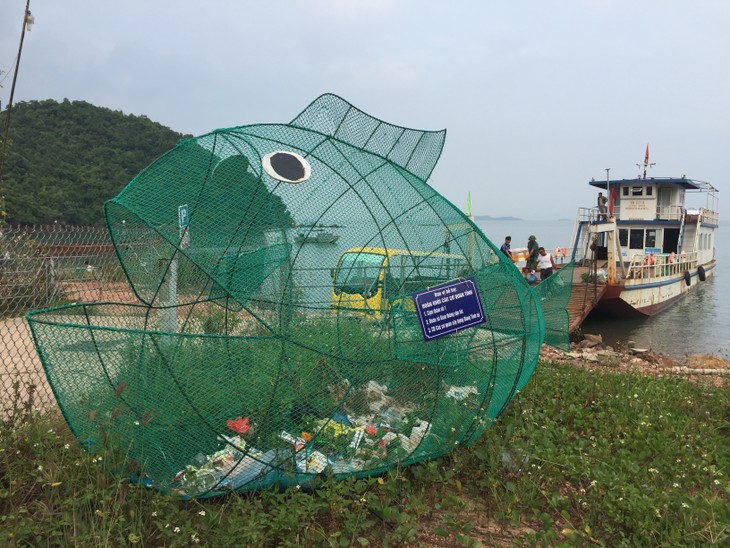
(276, 336)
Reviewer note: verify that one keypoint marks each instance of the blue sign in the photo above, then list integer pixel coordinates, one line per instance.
(182, 215)
(449, 308)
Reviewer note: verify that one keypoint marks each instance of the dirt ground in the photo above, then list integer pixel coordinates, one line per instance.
(19, 364)
(21, 371)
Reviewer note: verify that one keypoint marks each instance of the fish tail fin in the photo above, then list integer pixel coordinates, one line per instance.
(554, 295)
(416, 151)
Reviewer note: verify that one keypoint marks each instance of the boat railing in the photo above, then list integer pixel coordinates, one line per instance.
(580, 239)
(709, 217)
(587, 214)
(595, 215)
(669, 213)
(644, 266)
(580, 233)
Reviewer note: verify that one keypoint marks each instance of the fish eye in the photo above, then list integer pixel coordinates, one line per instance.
(288, 167)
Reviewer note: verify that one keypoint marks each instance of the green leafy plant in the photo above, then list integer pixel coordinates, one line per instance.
(582, 457)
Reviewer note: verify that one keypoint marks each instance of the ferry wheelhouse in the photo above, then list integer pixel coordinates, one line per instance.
(647, 246)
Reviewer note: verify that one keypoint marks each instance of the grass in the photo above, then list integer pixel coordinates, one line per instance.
(580, 458)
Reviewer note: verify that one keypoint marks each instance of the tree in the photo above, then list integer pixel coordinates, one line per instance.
(65, 159)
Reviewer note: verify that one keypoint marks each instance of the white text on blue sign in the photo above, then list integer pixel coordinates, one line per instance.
(448, 308)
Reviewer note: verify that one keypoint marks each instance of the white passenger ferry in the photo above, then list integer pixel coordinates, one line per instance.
(647, 246)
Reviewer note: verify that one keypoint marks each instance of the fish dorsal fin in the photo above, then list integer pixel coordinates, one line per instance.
(415, 150)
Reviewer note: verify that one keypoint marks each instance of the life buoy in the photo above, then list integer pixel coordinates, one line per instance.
(701, 273)
(687, 278)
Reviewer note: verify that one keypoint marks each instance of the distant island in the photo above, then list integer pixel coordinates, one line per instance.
(490, 218)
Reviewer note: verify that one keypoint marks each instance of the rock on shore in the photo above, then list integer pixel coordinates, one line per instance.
(590, 351)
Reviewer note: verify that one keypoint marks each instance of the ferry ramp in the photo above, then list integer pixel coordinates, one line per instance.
(584, 297)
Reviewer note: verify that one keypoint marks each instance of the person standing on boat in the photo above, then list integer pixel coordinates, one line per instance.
(505, 247)
(602, 209)
(532, 253)
(545, 263)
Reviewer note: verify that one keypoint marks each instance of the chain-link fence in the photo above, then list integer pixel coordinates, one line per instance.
(42, 267)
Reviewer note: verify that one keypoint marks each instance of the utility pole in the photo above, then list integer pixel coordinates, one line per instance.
(28, 20)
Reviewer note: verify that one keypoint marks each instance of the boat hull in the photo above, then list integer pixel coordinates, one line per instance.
(317, 239)
(648, 297)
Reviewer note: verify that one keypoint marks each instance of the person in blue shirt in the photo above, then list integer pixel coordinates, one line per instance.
(505, 247)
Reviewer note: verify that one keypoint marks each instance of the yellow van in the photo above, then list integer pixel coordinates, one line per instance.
(369, 280)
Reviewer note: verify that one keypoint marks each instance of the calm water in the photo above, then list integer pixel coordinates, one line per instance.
(697, 324)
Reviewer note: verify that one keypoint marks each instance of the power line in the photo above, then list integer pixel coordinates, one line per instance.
(28, 20)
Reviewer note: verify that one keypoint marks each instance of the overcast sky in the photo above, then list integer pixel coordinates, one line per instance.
(537, 96)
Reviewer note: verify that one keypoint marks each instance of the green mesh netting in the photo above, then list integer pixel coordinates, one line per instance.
(275, 337)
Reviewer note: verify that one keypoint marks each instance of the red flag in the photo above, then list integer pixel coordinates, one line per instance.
(610, 203)
(646, 158)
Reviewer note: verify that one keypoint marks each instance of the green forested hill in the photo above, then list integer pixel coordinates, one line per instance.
(65, 159)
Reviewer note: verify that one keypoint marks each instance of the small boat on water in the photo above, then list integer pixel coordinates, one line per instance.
(643, 245)
(316, 237)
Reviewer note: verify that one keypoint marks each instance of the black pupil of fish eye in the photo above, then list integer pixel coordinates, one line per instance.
(287, 166)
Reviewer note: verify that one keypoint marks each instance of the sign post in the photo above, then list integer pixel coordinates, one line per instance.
(183, 219)
(168, 289)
